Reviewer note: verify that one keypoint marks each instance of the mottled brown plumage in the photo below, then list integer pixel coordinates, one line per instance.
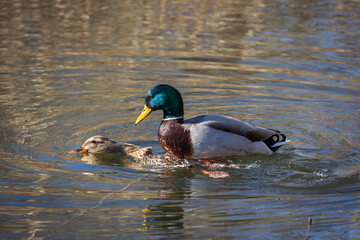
(142, 155)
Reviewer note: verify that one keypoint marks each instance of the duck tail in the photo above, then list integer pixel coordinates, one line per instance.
(276, 141)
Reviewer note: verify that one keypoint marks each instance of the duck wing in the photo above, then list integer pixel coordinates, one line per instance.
(232, 125)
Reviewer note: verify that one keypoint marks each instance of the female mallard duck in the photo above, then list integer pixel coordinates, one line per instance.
(143, 156)
(205, 136)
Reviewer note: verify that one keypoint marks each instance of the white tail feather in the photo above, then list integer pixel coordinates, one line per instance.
(280, 143)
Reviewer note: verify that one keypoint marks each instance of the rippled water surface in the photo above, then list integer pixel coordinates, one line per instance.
(73, 69)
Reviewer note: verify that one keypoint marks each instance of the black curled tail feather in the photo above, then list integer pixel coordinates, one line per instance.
(275, 141)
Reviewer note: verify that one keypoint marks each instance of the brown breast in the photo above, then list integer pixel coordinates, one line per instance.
(174, 139)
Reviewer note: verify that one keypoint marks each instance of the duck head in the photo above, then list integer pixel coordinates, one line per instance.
(95, 144)
(166, 98)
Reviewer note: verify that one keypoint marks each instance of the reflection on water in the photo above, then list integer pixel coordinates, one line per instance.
(73, 69)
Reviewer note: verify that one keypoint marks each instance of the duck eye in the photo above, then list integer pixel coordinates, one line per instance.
(93, 141)
(148, 98)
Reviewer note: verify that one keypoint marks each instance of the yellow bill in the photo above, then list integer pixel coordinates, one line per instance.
(146, 111)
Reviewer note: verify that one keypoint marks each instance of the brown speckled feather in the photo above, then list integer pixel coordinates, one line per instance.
(142, 155)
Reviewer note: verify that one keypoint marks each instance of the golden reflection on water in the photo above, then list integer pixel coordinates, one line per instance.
(72, 69)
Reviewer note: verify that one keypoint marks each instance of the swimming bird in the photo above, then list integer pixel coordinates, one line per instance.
(143, 156)
(205, 137)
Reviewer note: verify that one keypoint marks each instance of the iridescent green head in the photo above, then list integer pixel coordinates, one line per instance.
(163, 97)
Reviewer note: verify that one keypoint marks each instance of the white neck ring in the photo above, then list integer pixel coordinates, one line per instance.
(173, 118)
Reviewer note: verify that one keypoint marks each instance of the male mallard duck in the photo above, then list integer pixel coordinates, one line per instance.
(205, 136)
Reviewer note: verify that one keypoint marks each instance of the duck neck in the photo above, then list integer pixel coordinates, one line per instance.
(175, 111)
(177, 119)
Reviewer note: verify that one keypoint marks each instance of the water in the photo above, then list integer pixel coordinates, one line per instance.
(73, 69)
